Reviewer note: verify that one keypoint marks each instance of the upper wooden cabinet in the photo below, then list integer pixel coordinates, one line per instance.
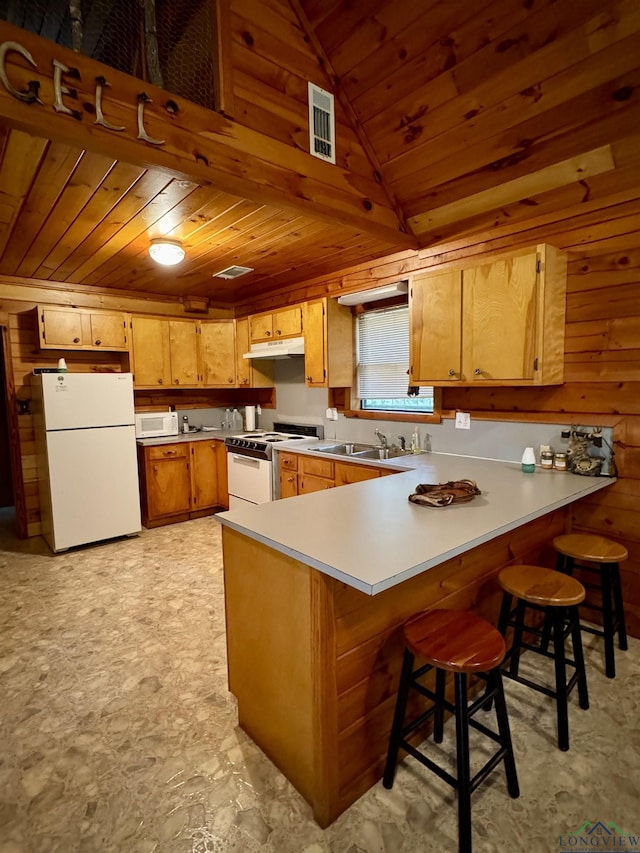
(217, 353)
(81, 329)
(250, 373)
(286, 323)
(498, 323)
(165, 352)
(328, 344)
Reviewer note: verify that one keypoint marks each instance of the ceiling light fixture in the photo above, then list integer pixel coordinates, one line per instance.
(166, 251)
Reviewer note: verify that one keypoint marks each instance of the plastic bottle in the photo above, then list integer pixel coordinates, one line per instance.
(236, 420)
(528, 461)
(415, 441)
(227, 419)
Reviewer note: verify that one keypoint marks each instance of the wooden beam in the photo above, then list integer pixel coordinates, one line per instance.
(197, 142)
(560, 174)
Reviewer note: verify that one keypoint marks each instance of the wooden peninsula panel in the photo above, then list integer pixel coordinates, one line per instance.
(315, 679)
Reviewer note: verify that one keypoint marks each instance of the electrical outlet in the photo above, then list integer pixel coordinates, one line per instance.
(463, 420)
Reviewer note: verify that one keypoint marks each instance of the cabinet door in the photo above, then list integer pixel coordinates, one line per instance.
(218, 353)
(435, 324)
(314, 343)
(288, 475)
(108, 331)
(184, 353)
(348, 473)
(260, 327)
(499, 319)
(151, 352)
(204, 474)
(243, 365)
(287, 323)
(168, 482)
(60, 327)
(308, 483)
(223, 484)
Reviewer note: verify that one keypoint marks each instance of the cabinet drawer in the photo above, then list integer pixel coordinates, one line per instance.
(289, 461)
(316, 467)
(168, 451)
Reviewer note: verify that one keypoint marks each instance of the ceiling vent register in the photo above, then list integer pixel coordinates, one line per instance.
(232, 272)
(322, 124)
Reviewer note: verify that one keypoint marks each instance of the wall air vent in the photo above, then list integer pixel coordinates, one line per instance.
(232, 272)
(322, 124)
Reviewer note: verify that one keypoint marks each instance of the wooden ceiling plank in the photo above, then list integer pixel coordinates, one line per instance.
(198, 143)
(56, 169)
(20, 162)
(592, 120)
(446, 35)
(116, 185)
(143, 223)
(90, 172)
(559, 71)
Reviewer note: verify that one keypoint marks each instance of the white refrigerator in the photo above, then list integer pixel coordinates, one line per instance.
(87, 465)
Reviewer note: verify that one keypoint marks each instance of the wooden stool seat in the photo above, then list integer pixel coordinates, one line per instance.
(601, 556)
(544, 587)
(455, 640)
(594, 549)
(461, 643)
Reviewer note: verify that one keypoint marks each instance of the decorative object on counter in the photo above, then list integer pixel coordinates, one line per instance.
(185, 423)
(225, 423)
(546, 459)
(444, 494)
(62, 365)
(560, 461)
(528, 460)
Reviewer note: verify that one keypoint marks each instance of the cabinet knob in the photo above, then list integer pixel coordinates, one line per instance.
(155, 469)
(98, 342)
(278, 332)
(290, 479)
(477, 371)
(452, 372)
(177, 381)
(308, 378)
(230, 380)
(267, 334)
(76, 340)
(159, 381)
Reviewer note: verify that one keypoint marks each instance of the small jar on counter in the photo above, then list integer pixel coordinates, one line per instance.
(546, 459)
(560, 462)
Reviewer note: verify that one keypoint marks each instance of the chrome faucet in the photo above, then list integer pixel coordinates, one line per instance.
(381, 438)
(403, 443)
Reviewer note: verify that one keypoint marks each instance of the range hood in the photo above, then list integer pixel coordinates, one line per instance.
(282, 348)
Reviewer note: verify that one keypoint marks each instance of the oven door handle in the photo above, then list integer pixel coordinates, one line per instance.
(246, 460)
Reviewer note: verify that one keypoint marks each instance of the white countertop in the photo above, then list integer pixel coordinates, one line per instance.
(371, 537)
(200, 435)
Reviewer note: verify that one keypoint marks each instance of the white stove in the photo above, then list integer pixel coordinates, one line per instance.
(249, 461)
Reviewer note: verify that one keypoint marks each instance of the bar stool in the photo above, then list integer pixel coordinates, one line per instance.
(608, 555)
(557, 596)
(460, 642)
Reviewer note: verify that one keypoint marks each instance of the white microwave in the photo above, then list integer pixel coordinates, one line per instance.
(154, 424)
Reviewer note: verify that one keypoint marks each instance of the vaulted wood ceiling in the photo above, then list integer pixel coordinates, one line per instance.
(453, 119)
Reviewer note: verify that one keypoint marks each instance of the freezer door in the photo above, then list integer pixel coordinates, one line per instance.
(82, 400)
(93, 484)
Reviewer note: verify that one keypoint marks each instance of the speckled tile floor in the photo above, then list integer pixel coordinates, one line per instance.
(117, 732)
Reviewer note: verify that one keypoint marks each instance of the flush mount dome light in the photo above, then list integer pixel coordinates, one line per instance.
(166, 251)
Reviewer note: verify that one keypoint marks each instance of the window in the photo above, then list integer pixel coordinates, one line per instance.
(382, 345)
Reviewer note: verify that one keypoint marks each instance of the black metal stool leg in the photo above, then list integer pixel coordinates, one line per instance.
(398, 719)
(505, 734)
(517, 637)
(561, 678)
(578, 655)
(617, 597)
(438, 720)
(607, 621)
(505, 610)
(565, 565)
(462, 758)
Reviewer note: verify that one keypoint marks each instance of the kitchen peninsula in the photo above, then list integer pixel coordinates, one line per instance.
(317, 586)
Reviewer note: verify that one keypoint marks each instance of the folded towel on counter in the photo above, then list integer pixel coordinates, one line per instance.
(444, 494)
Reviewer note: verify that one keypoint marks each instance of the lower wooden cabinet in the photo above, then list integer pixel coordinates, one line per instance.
(300, 475)
(182, 480)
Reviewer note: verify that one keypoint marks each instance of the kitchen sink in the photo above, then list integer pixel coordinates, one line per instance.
(363, 451)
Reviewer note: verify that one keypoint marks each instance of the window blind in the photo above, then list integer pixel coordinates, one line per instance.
(383, 355)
